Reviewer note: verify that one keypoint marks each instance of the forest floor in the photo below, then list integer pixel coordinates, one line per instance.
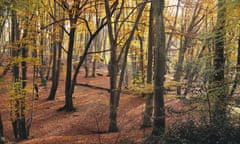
(89, 124)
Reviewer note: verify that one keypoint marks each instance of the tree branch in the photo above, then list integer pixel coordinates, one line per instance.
(92, 86)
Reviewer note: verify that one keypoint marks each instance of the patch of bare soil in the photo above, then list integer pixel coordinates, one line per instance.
(89, 124)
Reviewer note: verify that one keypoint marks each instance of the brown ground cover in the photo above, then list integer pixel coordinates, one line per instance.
(89, 124)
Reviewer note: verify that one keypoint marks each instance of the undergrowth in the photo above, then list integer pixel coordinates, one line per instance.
(191, 133)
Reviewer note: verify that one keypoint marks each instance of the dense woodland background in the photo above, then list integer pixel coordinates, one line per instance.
(179, 57)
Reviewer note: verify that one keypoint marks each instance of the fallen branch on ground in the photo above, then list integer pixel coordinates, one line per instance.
(92, 86)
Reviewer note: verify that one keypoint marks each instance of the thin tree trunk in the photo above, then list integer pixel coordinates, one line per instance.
(1, 131)
(237, 76)
(22, 125)
(141, 59)
(15, 54)
(57, 52)
(54, 78)
(43, 63)
(114, 89)
(174, 26)
(183, 46)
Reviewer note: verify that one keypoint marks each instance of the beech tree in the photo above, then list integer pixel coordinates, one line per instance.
(220, 105)
(160, 68)
(189, 27)
(74, 10)
(19, 127)
(22, 42)
(58, 34)
(147, 118)
(123, 20)
(114, 27)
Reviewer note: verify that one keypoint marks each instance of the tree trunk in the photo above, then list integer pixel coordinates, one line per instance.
(114, 89)
(48, 76)
(57, 53)
(160, 66)
(112, 72)
(94, 63)
(68, 93)
(54, 78)
(43, 63)
(23, 130)
(148, 103)
(1, 131)
(15, 53)
(184, 43)
(141, 59)
(219, 92)
(237, 76)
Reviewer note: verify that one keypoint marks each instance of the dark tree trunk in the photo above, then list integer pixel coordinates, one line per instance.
(54, 78)
(72, 82)
(59, 57)
(113, 67)
(113, 73)
(237, 76)
(54, 64)
(1, 131)
(68, 93)
(113, 87)
(48, 76)
(16, 123)
(177, 75)
(219, 92)
(56, 67)
(149, 103)
(184, 43)
(160, 65)
(23, 131)
(43, 64)
(19, 107)
(141, 58)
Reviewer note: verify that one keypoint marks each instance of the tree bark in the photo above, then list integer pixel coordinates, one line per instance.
(184, 44)
(15, 54)
(219, 92)
(57, 53)
(237, 76)
(23, 130)
(149, 103)
(113, 73)
(115, 90)
(54, 78)
(160, 66)
(68, 93)
(1, 131)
